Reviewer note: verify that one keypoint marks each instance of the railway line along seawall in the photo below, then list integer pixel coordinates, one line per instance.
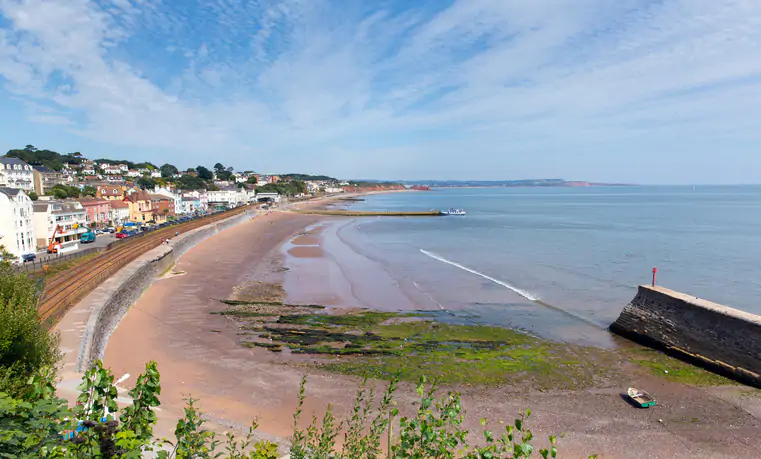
(86, 328)
(718, 337)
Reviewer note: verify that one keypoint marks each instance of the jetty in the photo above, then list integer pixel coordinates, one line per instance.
(714, 336)
(357, 213)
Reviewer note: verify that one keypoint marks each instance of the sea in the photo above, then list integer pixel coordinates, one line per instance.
(562, 262)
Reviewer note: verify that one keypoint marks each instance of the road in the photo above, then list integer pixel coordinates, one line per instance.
(101, 240)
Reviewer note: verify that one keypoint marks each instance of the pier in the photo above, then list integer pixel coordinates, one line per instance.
(356, 213)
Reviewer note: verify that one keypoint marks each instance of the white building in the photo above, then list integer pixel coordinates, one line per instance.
(133, 173)
(193, 201)
(69, 216)
(16, 223)
(265, 197)
(155, 173)
(109, 169)
(88, 170)
(118, 213)
(227, 197)
(15, 173)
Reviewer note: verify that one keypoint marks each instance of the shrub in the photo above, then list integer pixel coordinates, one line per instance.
(43, 426)
(25, 347)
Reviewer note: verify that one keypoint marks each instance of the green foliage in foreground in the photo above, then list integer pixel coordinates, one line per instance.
(25, 347)
(42, 426)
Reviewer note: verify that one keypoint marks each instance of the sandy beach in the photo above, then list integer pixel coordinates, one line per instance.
(199, 354)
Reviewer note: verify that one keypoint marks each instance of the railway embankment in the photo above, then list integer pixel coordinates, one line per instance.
(720, 338)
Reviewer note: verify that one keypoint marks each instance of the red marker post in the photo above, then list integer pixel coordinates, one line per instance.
(655, 275)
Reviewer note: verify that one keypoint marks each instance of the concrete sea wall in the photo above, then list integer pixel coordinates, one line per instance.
(718, 337)
(108, 304)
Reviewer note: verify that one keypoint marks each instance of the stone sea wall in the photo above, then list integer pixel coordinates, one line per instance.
(718, 337)
(112, 299)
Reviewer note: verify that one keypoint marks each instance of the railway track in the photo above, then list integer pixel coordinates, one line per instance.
(65, 289)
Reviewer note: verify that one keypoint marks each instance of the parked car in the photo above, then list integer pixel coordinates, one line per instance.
(111, 230)
(29, 257)
(121, 235)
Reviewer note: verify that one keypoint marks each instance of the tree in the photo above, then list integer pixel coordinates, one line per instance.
(204, 173)
(146, 183)
(224, 175)
(33, 196)
(89, 190)
(286, 188)
(25, 346)
(219, 167)
(168, 170)
(65, 191)
(188, 182)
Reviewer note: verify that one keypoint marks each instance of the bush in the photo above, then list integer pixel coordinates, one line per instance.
(25, 347)
(44, 426)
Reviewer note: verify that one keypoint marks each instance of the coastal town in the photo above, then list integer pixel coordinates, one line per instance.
(54, 203)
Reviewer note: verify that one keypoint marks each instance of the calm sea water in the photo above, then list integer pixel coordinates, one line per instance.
(562, 262)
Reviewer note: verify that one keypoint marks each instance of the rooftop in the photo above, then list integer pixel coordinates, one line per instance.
(7, 160)
(58, 207)
(119, 205)
(44, 170)
(9, 191)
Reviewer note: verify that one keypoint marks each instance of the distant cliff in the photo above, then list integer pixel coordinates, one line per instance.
(508, 183)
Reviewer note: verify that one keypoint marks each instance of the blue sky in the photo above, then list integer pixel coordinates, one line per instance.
(664, 91)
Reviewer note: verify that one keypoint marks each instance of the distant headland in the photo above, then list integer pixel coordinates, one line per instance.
(510, 183)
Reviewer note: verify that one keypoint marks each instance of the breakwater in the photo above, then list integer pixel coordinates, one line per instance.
(354, 213)
(720, 338)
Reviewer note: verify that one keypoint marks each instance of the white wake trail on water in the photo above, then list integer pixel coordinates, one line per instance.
(520, 292)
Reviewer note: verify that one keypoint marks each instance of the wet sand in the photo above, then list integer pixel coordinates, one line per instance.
(198, 353)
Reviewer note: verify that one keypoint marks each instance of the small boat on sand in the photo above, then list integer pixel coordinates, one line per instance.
(640, 397)
(453, 212)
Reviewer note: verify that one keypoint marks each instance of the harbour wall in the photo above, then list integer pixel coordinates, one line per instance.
(108, 303)
(720, 338)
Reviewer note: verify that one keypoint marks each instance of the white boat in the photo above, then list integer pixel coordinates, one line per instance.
(453, 212)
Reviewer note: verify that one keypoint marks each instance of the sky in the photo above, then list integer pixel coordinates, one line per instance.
(662, 92)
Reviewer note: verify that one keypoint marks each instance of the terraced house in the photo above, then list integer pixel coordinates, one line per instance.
(140, 208)
(110, 192)
(97, 211)
(162, 207)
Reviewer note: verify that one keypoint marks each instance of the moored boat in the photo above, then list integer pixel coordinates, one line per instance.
(640, 397)
(453, 212)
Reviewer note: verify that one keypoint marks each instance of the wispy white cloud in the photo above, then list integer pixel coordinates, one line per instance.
(484, 88)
